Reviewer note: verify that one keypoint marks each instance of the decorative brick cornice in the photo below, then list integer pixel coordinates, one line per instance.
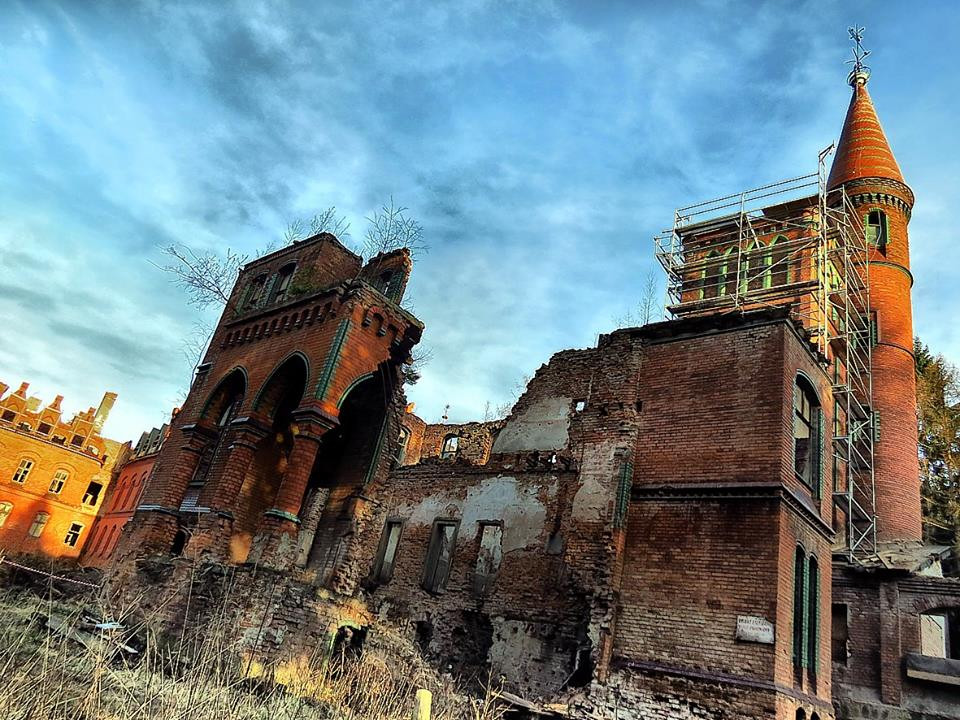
(866, 190)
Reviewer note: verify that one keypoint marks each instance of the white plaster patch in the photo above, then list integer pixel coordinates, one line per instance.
(494, 498)
(597, 486)
(544, 425)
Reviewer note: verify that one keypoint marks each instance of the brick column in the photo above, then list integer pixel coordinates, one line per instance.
(891, 654)
(156, 520)
(215, 528)
(276, 544)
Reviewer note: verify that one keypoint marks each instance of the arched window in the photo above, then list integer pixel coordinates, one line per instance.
(813, 615)
(39, 522)
(59, 480)
(875, 229)
(780, 272)
(5, 510)
(755, 268)
(255, 291)
(450, 447)
(801, 714)
(807, 435)
(799, 616)
(727, 277)
(404, 441)
(23, 471)
(711, 276)
(282, 285)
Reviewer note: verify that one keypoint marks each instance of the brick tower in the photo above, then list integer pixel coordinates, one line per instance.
(865, 167)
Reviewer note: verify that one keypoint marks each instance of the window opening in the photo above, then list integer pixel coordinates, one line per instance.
(23, 471)
(5, 510)
(440, 555)
(489, 556)
(450, 448)
(799, 617)
(73, 534)
(839, 633)
(59, 480)
(387, 552)
(39, 522)
(283, 283)
(404, 441)
(807, 436)
(92, 495)
(875, 230)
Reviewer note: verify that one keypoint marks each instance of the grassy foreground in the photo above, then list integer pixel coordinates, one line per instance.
(55, 665)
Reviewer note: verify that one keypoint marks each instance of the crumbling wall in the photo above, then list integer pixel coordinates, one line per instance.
(474, 440)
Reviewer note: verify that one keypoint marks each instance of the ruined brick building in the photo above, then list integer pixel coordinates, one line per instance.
(54, 473)
(716, 516)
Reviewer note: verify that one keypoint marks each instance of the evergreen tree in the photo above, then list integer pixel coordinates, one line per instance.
(938, 417)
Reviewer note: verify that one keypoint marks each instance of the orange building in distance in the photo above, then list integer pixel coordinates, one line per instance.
(54, 474)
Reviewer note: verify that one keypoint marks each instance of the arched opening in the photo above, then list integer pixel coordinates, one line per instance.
(755, 268)
(875, 229)
(801, 714)
(179, 543)
(220, 409)
(346, 461)
(780, 272)
(277, 399)
(711, 276)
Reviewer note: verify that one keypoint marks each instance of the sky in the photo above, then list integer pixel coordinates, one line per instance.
(541, 145)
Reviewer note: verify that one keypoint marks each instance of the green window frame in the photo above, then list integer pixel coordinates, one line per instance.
(876, 229)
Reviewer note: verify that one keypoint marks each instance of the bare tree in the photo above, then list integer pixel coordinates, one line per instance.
(207, 278)
(328, 220)
(420, 357)
(648, 308)
(390, 228)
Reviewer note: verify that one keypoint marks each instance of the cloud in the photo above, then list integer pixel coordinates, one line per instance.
(540, 144)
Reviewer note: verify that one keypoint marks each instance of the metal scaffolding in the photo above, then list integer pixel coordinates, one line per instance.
(795, 245)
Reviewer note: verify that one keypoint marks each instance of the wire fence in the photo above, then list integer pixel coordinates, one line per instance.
(37, 571)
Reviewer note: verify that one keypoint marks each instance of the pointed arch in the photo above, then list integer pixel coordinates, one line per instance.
(780, 272)
(755, 267)
(351, 386)
(288, 364)
(232, 387)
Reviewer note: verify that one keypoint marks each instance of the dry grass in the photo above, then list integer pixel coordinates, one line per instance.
(74, 672)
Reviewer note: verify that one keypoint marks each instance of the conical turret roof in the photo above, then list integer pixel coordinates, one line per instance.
(863, 150)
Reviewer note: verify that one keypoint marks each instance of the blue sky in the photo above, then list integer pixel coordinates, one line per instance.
(540, 144)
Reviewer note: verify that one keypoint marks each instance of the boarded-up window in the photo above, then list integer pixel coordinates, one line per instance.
(488, 557)
(387, 554)
(440, 555)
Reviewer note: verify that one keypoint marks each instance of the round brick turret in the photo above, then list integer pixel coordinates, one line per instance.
(864, 165)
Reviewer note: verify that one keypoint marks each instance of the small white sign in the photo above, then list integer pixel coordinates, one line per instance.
(751, 628)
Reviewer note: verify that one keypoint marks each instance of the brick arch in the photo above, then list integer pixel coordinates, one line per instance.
(926, 603)
(272, 389)
(357, 381)
(233, 383)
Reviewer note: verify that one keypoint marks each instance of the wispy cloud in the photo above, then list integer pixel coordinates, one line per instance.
(540, 144)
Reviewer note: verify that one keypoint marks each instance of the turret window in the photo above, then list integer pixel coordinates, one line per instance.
(875, 230)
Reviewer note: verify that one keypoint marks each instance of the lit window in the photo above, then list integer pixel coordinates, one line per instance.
(73, 534)
(59, 480)
(807, 436)
(451, 445)
(39, 522)
(92, 495)
(387, 553)
(875, 229)
(23, 471)
(440, 555)
(5, 510)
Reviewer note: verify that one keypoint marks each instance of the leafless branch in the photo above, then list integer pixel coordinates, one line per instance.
(391, 229)
(207, 278)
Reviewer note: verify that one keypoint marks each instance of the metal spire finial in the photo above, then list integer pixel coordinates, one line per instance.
(861, 72)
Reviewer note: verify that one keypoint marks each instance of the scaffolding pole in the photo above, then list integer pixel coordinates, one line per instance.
(793, 244)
